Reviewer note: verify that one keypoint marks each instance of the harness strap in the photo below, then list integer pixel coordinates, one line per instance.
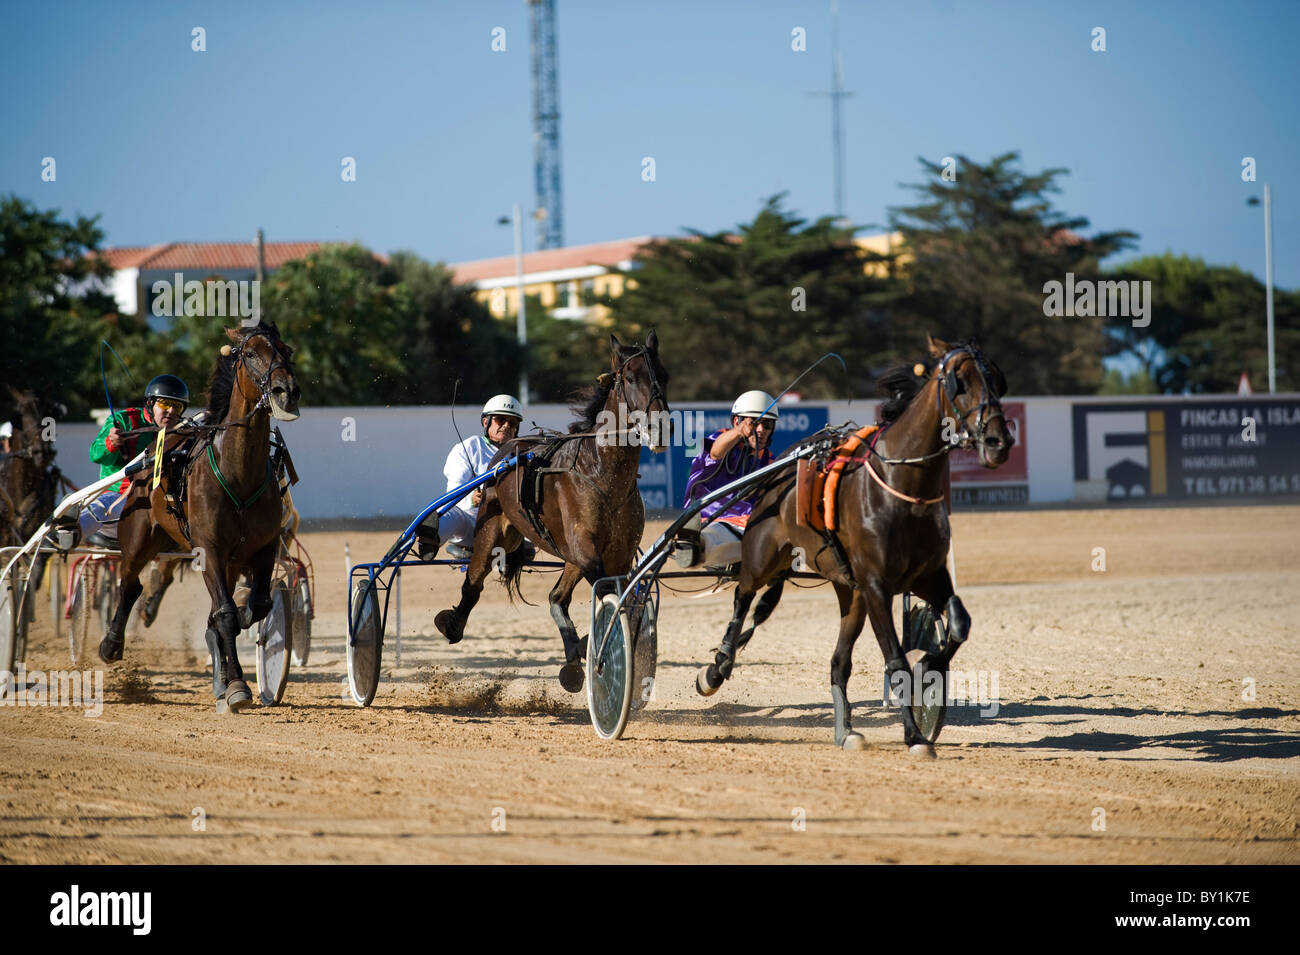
(244, 505)
(899, 494)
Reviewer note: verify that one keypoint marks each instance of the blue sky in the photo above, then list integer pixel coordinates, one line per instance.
(170, 144)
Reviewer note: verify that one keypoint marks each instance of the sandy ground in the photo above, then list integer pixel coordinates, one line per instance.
(1123, 732)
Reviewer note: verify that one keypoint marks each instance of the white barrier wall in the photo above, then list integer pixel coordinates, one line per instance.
(367, 462)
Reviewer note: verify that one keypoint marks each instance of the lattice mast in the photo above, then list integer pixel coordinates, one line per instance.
(546, 125)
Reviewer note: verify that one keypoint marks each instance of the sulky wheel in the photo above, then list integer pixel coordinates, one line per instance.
(106, 593)
(300, 628)
(923, 638)
(609, 681)
(82, 612)
(645, 655)
(365, 644)
(8, 632)
(273, 638)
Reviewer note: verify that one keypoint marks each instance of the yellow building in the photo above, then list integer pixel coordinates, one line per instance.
(568, 281)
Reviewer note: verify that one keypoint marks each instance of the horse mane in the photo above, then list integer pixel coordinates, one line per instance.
(588, 402)
(220, 385)
(899, 385)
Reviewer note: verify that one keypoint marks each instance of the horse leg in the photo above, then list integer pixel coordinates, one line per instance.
(571, 674)
(137, 550)
(451, 623)
(261, 568)
(235, 694)
(854, 608)
(149, 613)
(879, 604)
(936, 590)
(712, 676)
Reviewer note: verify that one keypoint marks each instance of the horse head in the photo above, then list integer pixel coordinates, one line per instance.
(263, 365)
(973, 386)
(640, 380)
(35, 437)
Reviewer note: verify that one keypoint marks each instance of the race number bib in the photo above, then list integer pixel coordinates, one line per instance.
(157, 458)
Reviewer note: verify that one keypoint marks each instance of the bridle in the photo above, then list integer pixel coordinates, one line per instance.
(263, 386)
(621, 377)
(948, 387)
(945, 375)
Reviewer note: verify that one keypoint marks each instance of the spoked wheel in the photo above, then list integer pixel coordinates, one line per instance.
(365, 645)
(300, 627)
(924, 636)
(106, 591)
(273, 639)
(609, 682)
(79, 625)
(8, 632)
(645, 655)
(25, 593)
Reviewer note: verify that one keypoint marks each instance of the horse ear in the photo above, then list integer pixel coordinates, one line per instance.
(233, 334)
(938, 347)
(614, 343)
(652, 341)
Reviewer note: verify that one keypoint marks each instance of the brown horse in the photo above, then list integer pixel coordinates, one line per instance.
(29, 480)
(893, 533)
(577, 499)
(232, 510)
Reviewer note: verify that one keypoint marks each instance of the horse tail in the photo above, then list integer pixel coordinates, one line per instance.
(514, 573)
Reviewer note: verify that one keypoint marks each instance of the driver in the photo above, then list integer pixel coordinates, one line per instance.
(500, 418)
(6, 436)
(165, 398)
(727, 455)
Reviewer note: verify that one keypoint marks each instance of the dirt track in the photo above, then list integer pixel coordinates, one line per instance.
(1120, 691)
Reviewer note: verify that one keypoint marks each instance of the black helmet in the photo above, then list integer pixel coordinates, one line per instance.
(167, 386)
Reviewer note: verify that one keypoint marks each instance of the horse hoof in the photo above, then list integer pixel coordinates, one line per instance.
(854, 741)
(572, 677)
(921, 751)
(110, 651)
(702, 686)
(238, 697)
(450, 626)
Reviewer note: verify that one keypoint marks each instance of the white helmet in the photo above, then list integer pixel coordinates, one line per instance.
(504, 405)
(756, 404)
(6, 430)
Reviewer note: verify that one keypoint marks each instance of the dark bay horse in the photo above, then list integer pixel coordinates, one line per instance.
(892, 528)
(580, 504)
(29, 480)
(232, 509)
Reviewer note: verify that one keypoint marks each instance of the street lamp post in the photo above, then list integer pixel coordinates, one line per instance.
(521, 320)
(1268, 281)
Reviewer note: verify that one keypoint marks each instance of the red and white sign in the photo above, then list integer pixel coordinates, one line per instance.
(966, 467)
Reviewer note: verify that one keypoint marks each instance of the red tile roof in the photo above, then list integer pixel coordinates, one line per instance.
(607, 254)
(206, 255)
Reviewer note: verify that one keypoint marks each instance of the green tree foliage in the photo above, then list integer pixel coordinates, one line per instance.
(1208, 325)
(754, 307)
(563, 354)
(447, 334)
(367, 331)
(53, 311)
(978, 251)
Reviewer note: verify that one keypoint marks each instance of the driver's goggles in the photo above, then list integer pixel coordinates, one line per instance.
(169, 404)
